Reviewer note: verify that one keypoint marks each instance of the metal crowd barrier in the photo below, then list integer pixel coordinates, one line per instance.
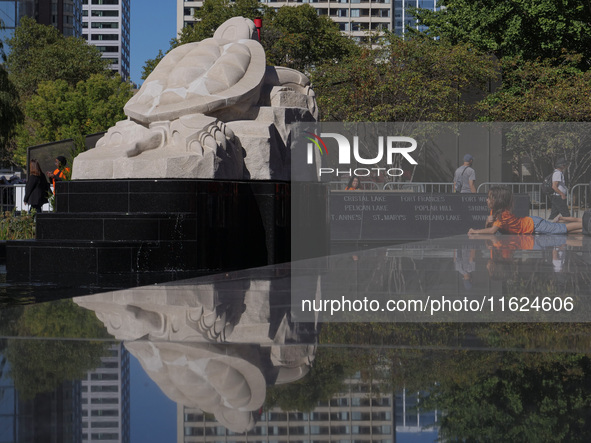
(539, 203)
(11, 199)
(365, 185)
(430, 188)
(8, 198)
(580, 199)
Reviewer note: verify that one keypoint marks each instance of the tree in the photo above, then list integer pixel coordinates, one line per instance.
(59, 111)
(326, 378)
(540, 90)
(10, 114)
(554, 94)
(41, 53)
(529, 29)
(151, 64)
(215, 12)
(405, 80)
(527, 398)
(299, 38)
(2, 55)
(41, 365)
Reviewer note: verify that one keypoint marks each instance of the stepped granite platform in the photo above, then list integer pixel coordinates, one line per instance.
(121, 227)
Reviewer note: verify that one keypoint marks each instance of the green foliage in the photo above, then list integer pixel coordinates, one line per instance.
(406, 80)
(525, 28)
(326, 377)
(59, 111)
(540, 91)
(549, 90)
(215, 12)
(2, 55)
(10, 112)
(41, 53)
(151, 64)
(40, 365)
(65, 88)
(525, 398)
(298, 38)
(17, 227)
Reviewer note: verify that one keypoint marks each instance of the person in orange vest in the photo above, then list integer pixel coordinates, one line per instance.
(61, 172)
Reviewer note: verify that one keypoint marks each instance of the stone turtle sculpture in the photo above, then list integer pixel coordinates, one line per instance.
(210, 109)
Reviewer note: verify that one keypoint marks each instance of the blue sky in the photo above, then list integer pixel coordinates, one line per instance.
(153, 24)
(153, 414)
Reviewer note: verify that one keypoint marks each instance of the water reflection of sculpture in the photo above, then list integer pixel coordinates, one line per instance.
(210, 346)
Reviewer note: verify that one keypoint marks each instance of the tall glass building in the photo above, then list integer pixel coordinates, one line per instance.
(106, 399)
(65, 15)
(106, 26)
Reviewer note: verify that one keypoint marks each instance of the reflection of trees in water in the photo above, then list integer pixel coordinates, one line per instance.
(524, 397)
(325, 379)
(534, 383)
(40, 365)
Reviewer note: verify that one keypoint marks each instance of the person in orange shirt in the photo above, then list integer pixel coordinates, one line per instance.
(500, 203)
(353, 184)
(61, 172)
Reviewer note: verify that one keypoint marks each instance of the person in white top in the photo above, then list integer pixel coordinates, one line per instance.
(559, 203)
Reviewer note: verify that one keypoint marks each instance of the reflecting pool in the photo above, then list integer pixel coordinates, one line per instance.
(241, 356)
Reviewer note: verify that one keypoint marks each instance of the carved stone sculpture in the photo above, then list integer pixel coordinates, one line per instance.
(210, 109)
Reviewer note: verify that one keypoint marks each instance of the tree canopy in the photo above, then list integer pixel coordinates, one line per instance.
(41, 53)
(41, 365)
(215, 12)
(406, 80)
(10, 112)
(62, 85)
(59, 111)
(299, 38)
(525, 28)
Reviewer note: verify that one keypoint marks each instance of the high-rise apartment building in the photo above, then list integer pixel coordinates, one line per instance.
(106, 26)
(106, 399)
(65, 15)
(354, 17)
(356, 415)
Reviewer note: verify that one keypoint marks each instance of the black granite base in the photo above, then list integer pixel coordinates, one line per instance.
(155, 226)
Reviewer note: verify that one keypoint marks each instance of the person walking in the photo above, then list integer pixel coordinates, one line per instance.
(559, 201)
(465, 176)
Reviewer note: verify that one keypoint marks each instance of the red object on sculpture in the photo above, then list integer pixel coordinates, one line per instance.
(258, 23)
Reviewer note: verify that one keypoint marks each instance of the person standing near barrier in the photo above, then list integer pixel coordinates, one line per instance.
(559, 202)
(61, 171)
(37, 188)
(465, 176)
(353, 184)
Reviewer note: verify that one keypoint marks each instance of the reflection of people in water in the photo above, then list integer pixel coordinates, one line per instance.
(353, 184)
(500, 202)
(465, 265)
(501, 265)
(503, 248)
